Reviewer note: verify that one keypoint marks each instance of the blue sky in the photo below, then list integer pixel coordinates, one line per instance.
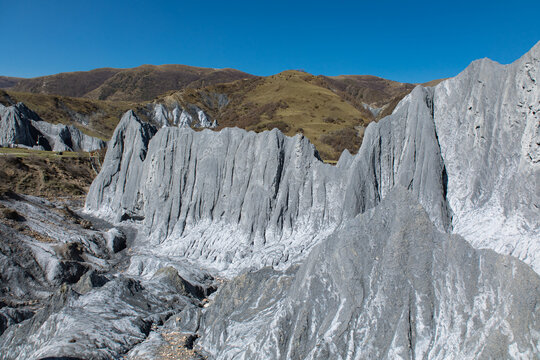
(409, 41)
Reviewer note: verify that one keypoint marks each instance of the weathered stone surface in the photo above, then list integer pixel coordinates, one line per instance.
(387, 284)
(116, 183)
(239, 199)
(346, 261)
(67, 137)
(15, 126)
(62, 292)
(488, 125)
(19, 126)
(104, 323)
(163, 116)
(116, 240)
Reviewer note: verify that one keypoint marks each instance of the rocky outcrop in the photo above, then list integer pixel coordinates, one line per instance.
(239, 199)
(385, 285)
(355, 260)
(120, 174)
(15, 126)
(20, 126)
(488, 125)
(163, 115)
(62, 291)
(67, 137)
(102, 324)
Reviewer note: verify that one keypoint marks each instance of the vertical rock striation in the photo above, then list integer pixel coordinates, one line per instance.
(20, 126)
(488, 125)
(385, 285)
(250, 200)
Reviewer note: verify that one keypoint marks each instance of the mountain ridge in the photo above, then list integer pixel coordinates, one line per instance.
(121, 84)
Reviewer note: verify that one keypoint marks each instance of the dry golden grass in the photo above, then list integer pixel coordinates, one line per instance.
(102, 116)
(291, 101)
(45, 173)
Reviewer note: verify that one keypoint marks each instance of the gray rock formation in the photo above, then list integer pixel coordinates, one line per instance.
(488, 126)
(244, 199)
(67, 137)
(19, 126)
(204, 121)
(120, 174)
(385, 285)
(102, 324)
(185, 119)
(15, 126)
(62, 292)
(163, 116)
(51, 244)
(346, 261)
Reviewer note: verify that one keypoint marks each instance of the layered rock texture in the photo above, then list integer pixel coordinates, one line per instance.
(240, 199)
(364, 259)
(385, 285)
(488, 125)
(21, 127)
(176, 116)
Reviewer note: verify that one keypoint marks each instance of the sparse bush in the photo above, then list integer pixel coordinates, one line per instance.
(331, 120)
(343, 139)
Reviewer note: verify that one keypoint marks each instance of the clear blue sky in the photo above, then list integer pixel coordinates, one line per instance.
(409, 41)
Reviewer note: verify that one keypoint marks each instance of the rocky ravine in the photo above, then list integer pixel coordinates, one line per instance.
(351, 261)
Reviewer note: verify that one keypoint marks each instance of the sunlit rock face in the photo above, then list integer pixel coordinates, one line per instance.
(385, 285)
(234, 199)
(488, 125)
(176, 116)
(21, 127)
(377, 257)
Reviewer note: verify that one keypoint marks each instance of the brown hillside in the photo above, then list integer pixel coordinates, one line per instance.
(8, 81)
(330, 112)
(75, 84)
(370, 90)
(142, 83)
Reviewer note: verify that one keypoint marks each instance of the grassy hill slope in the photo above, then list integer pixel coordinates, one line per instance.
(142, 83)
(332, 113)
(93, 117)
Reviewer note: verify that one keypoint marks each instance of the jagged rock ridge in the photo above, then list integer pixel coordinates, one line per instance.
(247, 199)
(381, 279)
(176, 116)
(488, 125)
(21, 127)
(61, 294)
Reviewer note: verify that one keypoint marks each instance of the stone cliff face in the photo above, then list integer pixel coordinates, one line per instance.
(488, 125)
(20, 126)
(239, 199)
(385, 285)
(15, 127)
(177, 116)
(312, 261)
